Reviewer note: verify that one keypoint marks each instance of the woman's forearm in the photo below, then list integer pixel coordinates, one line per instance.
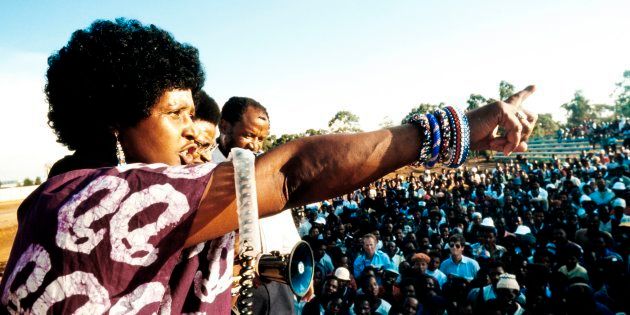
(321, 167)
(306, 170)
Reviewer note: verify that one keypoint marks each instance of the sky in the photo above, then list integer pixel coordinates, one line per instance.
(306, 60)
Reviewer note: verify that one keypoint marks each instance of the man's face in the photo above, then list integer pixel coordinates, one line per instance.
(489, 238)
(372, 288)
(457, 248)
(410, 307)
(248, 133)
(601, 185)
(539, 217)
(506, 296)
(494, 275)
(435, 262)
(205, 138)
(331, 287)
(369, 246)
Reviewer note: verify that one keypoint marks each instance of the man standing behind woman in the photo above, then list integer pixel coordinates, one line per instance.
(245, 124)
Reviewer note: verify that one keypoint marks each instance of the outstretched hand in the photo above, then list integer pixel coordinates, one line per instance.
(517, 123)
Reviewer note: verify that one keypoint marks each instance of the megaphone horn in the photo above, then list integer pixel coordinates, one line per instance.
(295, 269)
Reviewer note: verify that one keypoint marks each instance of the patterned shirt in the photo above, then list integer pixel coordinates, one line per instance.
(111, 240)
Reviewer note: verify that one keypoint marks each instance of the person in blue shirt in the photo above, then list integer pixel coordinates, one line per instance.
(458, 264)
(371, 256)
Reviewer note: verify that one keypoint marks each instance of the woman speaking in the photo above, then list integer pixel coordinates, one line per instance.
(131, 226)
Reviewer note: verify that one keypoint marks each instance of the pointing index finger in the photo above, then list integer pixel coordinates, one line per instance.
(522, 95)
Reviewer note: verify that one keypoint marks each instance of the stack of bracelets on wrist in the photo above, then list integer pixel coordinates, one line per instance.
(446, 136)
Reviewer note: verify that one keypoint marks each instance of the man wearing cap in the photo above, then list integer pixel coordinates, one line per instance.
(371, 256)
(507, 293)
(619, 189)
(478, 296)
(346, 286)
(618, 208)
(458, 264)
(488, 248)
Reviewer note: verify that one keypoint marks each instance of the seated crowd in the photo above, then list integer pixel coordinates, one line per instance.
(517, 238)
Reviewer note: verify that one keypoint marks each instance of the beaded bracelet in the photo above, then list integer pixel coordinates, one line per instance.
(452, 152)
(462, 144)
(465, 136)
(445, 132)
(423, 123)
(436, 140)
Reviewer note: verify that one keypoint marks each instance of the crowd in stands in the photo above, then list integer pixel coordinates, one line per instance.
(520, 237)
(605, 134)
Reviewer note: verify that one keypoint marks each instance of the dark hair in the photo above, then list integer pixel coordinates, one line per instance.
(234, 108)
(206, 108)
(457, 238)
(110, 75)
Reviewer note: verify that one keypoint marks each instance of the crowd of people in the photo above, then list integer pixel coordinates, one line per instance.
(521, 237)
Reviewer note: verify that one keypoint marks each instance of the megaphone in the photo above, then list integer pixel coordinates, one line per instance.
(295, 269)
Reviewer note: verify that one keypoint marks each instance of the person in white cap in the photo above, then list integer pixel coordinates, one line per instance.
(347, 284)
(488, 248)
(507, 292)
(618, 208)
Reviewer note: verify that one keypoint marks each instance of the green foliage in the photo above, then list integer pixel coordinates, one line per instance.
(505, 90)
(314, 132)
(386, 123)
(344, 121)
(424, 108)
(38, 181)
(545, 126)
(27, 182)
(578, 109)
(475, 101)
(622, 101)
(269, 143)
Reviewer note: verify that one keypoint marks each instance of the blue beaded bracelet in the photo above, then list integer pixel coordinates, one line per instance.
(422, 122)
(436, 141)
(454, 139)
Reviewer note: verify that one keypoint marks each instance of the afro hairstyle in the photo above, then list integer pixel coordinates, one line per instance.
(110, 75)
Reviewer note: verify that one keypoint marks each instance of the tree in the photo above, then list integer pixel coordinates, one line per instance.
(286, 138)
(505, 90)
(314, 132)
(424, 108)
(602, 111)
(386, 123)
(578, 109)
(344, 121)
(475, 101)
(269, 143)
(38, 180)
(27, 182)
(622, 102)
(545, 126)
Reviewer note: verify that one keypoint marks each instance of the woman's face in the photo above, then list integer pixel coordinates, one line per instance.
(167, 135)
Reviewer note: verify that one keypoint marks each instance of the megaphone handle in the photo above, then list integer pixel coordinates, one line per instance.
(247, 210)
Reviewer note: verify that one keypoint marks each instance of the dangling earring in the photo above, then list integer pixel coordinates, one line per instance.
(120, 154)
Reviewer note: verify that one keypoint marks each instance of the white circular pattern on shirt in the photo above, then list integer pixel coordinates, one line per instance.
(34, 253)
(138, 239)
(142, 296)
(216, 282)
(71, 229)
(76, 283)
